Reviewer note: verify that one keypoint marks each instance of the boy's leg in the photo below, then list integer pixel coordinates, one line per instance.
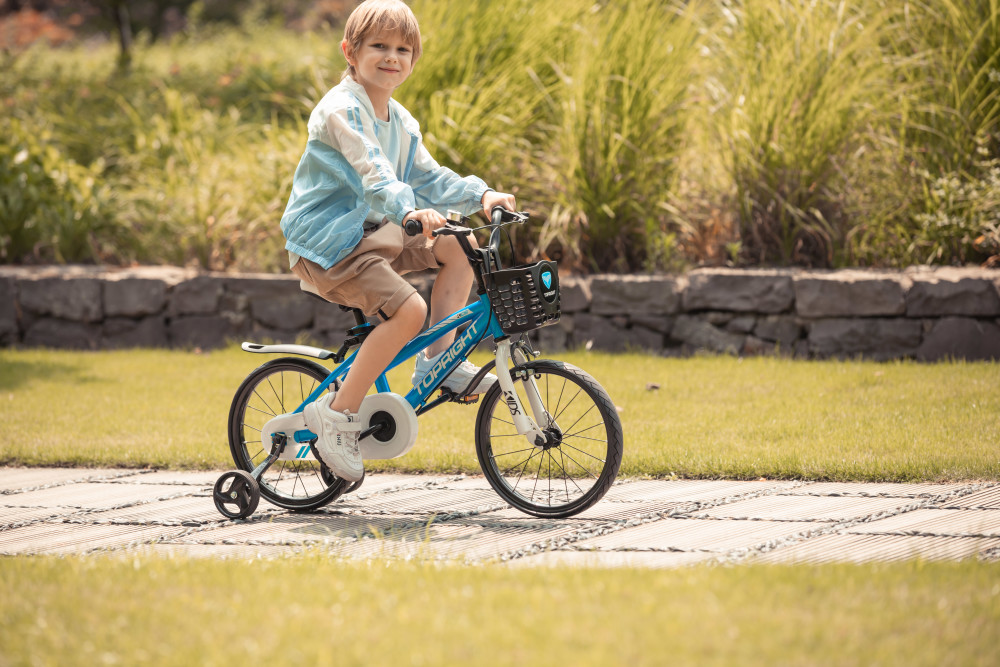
(451, 286)
(379, 348)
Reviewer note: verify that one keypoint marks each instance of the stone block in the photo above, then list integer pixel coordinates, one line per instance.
(641, 338)
(640, 295)
(961, 338)
(199, 295)
(126, 332)
(698, 334)
(9, 330)
(739, 290)
(63, 334)
(64, 297)
(274, 301)
(329, 317)
(574, 294)
(134, 297)
(598, 333)
(550, 339)
(662, 323)
(743, 324)
(876, 338)
(783, 329)
(850, 293)
(953, 291)
(203, 331)
(753, 347)
(282, 311)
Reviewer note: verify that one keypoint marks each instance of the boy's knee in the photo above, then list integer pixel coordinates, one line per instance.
(412, 312)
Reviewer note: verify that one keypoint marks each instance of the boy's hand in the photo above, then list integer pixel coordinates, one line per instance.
(492, 198)
(429, 220)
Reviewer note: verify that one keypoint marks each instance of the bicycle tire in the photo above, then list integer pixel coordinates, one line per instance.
(277, 387)
(580, 414)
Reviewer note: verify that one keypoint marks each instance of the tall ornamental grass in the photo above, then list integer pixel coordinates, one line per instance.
(801, 79)
(641, 134)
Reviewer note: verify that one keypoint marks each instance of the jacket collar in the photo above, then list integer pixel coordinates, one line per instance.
(362, 95)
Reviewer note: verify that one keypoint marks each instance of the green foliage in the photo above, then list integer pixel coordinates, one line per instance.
(801, 81)
(618, 119)
(51, 207)
(641, 134)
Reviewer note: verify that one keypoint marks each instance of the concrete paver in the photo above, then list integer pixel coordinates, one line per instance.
(640, 523)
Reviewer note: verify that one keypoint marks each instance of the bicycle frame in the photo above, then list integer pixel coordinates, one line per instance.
(481, 324)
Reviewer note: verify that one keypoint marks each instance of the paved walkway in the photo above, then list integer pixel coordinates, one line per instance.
(641, 523)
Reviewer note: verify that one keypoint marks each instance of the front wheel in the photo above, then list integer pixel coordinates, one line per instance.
(583, 449)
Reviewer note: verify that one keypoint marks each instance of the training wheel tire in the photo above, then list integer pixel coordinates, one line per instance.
(236, 494)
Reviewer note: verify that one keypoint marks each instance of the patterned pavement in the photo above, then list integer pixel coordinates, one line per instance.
(646, 523)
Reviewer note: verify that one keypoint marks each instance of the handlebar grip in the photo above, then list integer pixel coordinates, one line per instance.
(413, 227)
(496, 214)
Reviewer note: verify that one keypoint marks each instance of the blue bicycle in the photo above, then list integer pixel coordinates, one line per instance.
(548, 437)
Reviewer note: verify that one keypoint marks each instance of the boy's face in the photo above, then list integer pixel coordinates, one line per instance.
(382, 62)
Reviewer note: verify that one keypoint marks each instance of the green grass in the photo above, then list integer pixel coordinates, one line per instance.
(320, 611)
(711, 417)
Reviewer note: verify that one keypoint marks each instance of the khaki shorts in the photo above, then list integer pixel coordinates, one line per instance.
(369, 278)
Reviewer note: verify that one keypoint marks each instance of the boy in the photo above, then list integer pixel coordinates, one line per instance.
(363, 175)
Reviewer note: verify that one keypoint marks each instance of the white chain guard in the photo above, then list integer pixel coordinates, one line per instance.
(393, 409)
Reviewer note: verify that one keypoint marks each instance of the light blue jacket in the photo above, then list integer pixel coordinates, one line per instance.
(343, 174)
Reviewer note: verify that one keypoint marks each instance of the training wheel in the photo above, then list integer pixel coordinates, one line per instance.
(236, 494)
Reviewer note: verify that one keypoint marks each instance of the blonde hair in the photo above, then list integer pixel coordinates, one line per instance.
(377, 16)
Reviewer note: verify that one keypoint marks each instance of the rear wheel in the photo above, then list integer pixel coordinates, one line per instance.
(279, 387)
(583, 449)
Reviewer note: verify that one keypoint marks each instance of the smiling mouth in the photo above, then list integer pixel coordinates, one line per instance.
(391, 71)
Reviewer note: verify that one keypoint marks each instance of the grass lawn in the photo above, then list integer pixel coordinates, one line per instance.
(318, 611)
(710, 417)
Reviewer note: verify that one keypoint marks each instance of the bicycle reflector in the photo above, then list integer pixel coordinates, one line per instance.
(525, 297)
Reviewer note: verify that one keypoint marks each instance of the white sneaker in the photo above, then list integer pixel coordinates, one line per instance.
(337, 442)
(459, 378)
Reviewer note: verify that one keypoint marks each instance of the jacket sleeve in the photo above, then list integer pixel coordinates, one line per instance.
(358, 145)
(441, 188)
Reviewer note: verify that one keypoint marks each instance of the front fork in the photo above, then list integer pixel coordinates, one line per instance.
(523, 422)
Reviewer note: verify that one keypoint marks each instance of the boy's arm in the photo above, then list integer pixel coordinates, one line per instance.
(378, 178)
(441, 188)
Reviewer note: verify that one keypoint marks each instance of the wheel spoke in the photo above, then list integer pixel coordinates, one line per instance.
(266, 404)
(495, 418)
(516, 451)
(526, 462)
(577, 433)
(521, 464)
(566, 407)
(596, 458)
(578, 419)
(583, 468)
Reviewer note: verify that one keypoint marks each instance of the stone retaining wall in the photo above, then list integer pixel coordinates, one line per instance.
(919, 313)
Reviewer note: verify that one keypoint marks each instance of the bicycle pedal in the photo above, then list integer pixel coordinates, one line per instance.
(468, 400)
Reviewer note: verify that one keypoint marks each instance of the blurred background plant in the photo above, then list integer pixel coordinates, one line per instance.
(643, 135)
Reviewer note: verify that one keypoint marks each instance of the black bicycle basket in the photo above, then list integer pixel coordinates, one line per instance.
(525, 297)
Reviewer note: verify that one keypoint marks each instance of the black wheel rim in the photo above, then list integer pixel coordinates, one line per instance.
(235, 495)
(580, 458)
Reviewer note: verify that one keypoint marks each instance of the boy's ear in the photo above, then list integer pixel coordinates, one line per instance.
(345, 48)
